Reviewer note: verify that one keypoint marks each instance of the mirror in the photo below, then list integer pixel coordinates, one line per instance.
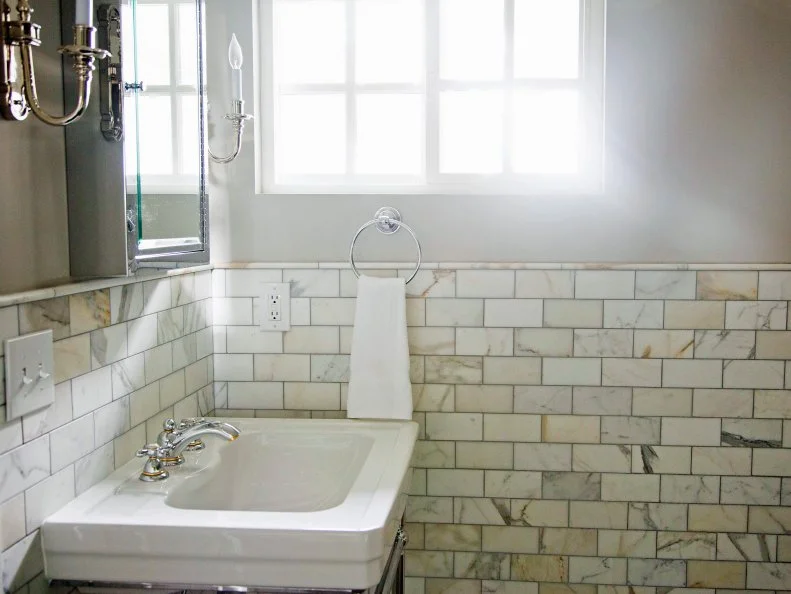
(163, 122)
(136, 165)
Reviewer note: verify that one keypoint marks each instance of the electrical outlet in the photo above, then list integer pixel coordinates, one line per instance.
(29, 373)
(276, 307)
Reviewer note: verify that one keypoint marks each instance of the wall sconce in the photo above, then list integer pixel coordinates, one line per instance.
(237, 116)
(16, 103)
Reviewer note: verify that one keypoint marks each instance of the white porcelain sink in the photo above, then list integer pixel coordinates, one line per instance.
(290, 503)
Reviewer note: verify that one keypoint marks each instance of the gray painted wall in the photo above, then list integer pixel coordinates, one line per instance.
(34, 249)
(698, 154)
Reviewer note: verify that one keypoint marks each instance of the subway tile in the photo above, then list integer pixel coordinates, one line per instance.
(197, 316)
(56, 415)
(664, 344)
(251, 339)
(657, 516)
(422, 341)
(305, 396)
(313, 283)
(601, 458)
(428, 563)
(564, 313)
(717, 518)
(756, 433)
(662, 402)
(68, 443)
(454, 426)
(753, 374)
(730, 286)
(182, 290)
(170, 325)
(431, 283)
(681, 431)
(716, 574)
(12, 521)
(598, 514)
(90, 391)
(573, 372)
(773, 345)
(567, 541)
(445, 537)
(692, 374)
(597, 570)
(47, 497)
(774, 285)
(769, 520)
(484, 455)
(485, 283)
(332, 312)
(602, 401)
(456, 370)
(47, 314)
(630, 430)
(627, 543)
(300, 311)
(538, 512)
(771, 462)
(230, 311)
(630, 487)
(570, 429)
(545, 284)
(323, 368)
(686, 545)
(513, 313)
(108, 345)
(690, 489)
(603, 343)
(746, 490)
(650, 459)
(492, 399)
(633, 314)
(434, 454)
(248, 283)
(433, 397)
(233, 367)
(141, 334)
(454, 312)
(632, 372)
(695, 315)
(724, 344)
(544, 342)
(109, 422)
(510, 370)
(542, 456)
(72, 357)
(510, 539)
(768, 576)
(656, 572)
(773, 404)
(542, 399)
(489, 512)
(756, 315)
(491, 342)
(721, 461)
(513, 428)
(429, 509)
(722, 403)
(126, 302)
(576, 486)
(461, 483)
(159, 362)
(539, 568)
(512, 484)
(144, 404)
(310, 339)
(91, 310)
(604, 284)
(658, 284)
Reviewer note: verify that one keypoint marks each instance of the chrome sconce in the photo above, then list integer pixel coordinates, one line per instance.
(19, 98)
(237, 116)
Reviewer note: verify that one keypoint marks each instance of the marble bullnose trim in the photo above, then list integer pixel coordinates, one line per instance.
(144, 274)
(505, 266)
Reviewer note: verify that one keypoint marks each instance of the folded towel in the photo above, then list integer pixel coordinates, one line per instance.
(379, 386)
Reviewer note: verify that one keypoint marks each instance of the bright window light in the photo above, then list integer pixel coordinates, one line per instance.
(433, 96)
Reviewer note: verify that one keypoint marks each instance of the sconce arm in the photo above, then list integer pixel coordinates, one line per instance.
(238, 120)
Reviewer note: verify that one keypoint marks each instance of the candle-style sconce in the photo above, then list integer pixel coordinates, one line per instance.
(19, 98)
(237, 116)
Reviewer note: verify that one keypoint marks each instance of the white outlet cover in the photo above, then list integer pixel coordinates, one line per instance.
(284, 290)
(29, 373)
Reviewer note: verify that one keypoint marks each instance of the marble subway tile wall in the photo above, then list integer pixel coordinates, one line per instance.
(583, 430)
(126, 358)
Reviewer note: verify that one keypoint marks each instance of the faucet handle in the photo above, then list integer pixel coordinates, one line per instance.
(169, 425)
(190, 422)
(152, 471)
(150, 449)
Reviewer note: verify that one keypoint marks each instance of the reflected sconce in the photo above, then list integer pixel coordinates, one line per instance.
(19, 98)
(237, 116)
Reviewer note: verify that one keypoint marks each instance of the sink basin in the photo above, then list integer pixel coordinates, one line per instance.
(279, 472)
(289, 504)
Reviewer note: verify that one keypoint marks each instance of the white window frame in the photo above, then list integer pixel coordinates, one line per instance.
(589, 180)
(177, 182)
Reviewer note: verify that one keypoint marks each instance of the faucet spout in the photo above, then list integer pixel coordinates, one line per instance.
(181, 439)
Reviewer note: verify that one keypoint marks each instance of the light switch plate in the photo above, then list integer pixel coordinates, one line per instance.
(29, 373)
(275, 311)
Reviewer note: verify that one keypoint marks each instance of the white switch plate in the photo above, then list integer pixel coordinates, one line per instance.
(276, 307)
(29, 373)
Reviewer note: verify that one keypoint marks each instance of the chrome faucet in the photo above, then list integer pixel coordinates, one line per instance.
(177, 437)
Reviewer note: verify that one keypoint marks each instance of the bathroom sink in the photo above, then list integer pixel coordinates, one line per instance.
(288, 504)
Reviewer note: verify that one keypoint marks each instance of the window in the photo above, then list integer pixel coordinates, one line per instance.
(432, 96)
(160, 128)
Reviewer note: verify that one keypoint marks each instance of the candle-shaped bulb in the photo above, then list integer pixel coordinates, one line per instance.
(83, 13)
(236, 58)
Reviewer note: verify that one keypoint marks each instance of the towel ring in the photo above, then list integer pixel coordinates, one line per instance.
(387, 221)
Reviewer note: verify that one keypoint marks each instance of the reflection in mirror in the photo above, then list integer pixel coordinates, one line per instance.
(163, 123)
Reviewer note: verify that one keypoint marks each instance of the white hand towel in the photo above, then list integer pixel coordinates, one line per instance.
(379, 386)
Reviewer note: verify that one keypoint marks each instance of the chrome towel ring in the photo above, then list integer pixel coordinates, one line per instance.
(387, 221)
